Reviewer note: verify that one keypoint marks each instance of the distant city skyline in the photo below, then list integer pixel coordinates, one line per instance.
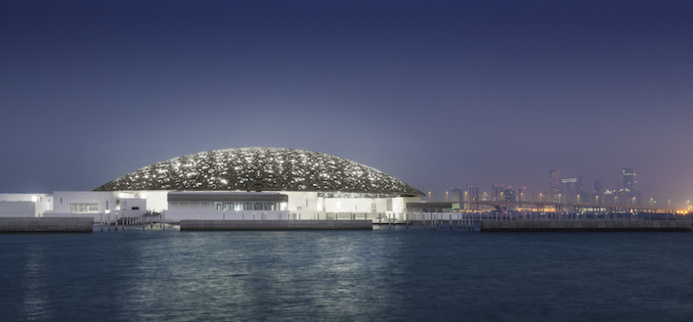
(571, 190)
(440, 94)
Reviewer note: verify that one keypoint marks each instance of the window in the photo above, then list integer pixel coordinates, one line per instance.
(84, 208)
(241, 206)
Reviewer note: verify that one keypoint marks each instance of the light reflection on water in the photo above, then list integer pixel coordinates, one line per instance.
(33, 295)
(383, 274)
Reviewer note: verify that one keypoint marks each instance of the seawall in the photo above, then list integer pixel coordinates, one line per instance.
(42, 224)
(276, 225)
(586, 225)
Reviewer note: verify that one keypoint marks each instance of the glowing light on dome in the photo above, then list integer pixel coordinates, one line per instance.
(266, 169)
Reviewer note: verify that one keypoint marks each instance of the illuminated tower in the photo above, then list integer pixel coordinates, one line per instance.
(555, 183)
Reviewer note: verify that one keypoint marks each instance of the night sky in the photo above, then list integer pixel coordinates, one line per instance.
(437, 93)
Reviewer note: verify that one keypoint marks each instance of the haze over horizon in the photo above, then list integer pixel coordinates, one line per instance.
(437, 93)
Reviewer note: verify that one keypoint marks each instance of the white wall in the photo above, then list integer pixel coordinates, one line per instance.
(174, 216)
(17, 209)
(132, 207)
(42, 202)
(157, 200)
(304, 202)
(63, 199)
(352, 205)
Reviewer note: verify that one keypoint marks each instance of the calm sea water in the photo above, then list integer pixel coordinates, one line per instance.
(380, 275)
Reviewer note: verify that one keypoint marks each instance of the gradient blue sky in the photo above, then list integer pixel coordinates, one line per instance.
(438, 93)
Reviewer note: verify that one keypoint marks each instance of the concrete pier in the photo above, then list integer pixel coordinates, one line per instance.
(586, 225)
(42, 224)
(276, 225)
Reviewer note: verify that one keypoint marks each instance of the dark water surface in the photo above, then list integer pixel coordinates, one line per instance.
(398, 274)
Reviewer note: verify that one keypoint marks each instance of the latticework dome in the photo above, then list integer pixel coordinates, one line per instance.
(262, 169)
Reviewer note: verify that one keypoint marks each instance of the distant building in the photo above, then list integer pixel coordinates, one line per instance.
(597, 187)
(472, 194)
(508, 195)
(571, 189)
(597, 192)
(456, 197)
(554, 184)
(496, 190)
(629, 179)
(629, 192)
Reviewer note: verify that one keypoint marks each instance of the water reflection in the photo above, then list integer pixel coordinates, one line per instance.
(345, 275)
(33, 284)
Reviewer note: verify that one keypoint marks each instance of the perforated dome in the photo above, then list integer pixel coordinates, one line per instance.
(262, 169)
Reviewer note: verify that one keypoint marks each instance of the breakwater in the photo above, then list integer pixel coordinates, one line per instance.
(586, 225)
(276, 225)
(42, 224)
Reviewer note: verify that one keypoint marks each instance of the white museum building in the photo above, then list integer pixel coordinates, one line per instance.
(241, 183)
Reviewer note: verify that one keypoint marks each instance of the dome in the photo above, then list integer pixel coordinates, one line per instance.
(262, 169)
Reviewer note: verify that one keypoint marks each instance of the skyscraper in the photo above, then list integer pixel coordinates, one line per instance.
(629, 192)
(572, 188)
(472, 194)
(496, 190)
(555, 183)
(629, 179)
